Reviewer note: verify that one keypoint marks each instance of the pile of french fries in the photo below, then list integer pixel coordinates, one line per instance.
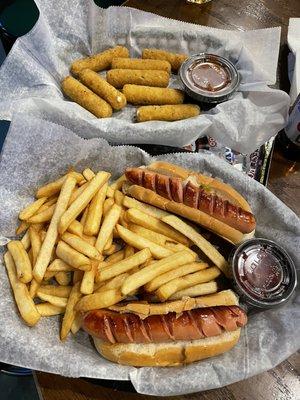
(87, 246)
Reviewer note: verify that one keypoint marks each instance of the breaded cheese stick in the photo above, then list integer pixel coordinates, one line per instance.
(120, 77)
(173, 112)
(136, 94)
(137, 63)
(103, 89)
(85, 97)
(100, 61)
(174, 59)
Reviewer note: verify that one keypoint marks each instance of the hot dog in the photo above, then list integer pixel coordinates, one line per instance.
(174, 333)
(207, 201)
(113, 327)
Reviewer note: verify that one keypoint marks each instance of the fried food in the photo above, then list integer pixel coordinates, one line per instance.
(136, 94)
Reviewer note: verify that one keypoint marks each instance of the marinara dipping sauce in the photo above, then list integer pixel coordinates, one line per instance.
(209, 78)
(265, 275)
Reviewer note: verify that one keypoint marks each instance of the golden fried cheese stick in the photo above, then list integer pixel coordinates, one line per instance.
(103, 89)
(100, 61)
(120, 77)
(85, 97)
(136, 94)
(137, 63)
(173, 112)
(174, 59)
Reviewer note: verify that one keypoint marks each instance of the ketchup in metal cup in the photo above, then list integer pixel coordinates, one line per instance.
(209, 78)
(264, 274)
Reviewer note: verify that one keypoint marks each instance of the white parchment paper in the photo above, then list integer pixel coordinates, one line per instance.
(30, 76)
(37, 151)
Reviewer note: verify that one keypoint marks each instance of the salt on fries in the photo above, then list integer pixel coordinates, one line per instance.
(86, 245)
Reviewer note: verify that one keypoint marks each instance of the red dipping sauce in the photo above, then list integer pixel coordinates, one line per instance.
(209, 76)
(265, 275)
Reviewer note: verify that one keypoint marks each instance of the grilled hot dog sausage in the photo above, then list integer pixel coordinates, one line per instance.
(193, 196)
(114, 327)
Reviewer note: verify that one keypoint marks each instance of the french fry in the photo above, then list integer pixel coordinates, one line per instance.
(99, 300)
(77, 276)
(95, 211)
(77, 191)
(88, 174)
(115, 257)
(175, 273)
(34, 285)
(48, 309)
(108, 243)
(76, 325)
(194, 291)
(72, 256)
(43, 216)
(123, 220)
(63, 278)
(51, 200)
(54, 187)
(125, 265)
(59, 265)
(84, 215)
(82, 200)
(129, 251)
(21, 260)
(36, 243)
(90, 239)
(49, 275)
(114, 283)
(42, 234)
(141, 243)
(83, 182)
(129, 202)
(155, 269)
(150, 235)
(26, 240)
(69, 316)
(44, 256)
(76, 228)
(23, 300)
(118, 197)
(175, 247)
(88, 280)
(166, 290)
(31, 209)
(53, 290)
(29, 252)
(80, 245)
(114, 248)
(147, 221)
(205, 246)
(22, 227)
(55, 300)
(108, 224)
(107, 205)
(117, 185)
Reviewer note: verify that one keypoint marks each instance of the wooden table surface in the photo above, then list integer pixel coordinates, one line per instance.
(283, 382)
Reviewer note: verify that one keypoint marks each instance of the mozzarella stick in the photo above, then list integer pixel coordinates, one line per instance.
(173, 58)
(137, 63)
(120, 77)
(173, 112)
(100, 61)
(103, 89)
(87, 99)
(136, 94)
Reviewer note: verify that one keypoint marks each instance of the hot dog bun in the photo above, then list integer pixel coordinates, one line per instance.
(235, 224)
(171, 334)
(167, 354)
